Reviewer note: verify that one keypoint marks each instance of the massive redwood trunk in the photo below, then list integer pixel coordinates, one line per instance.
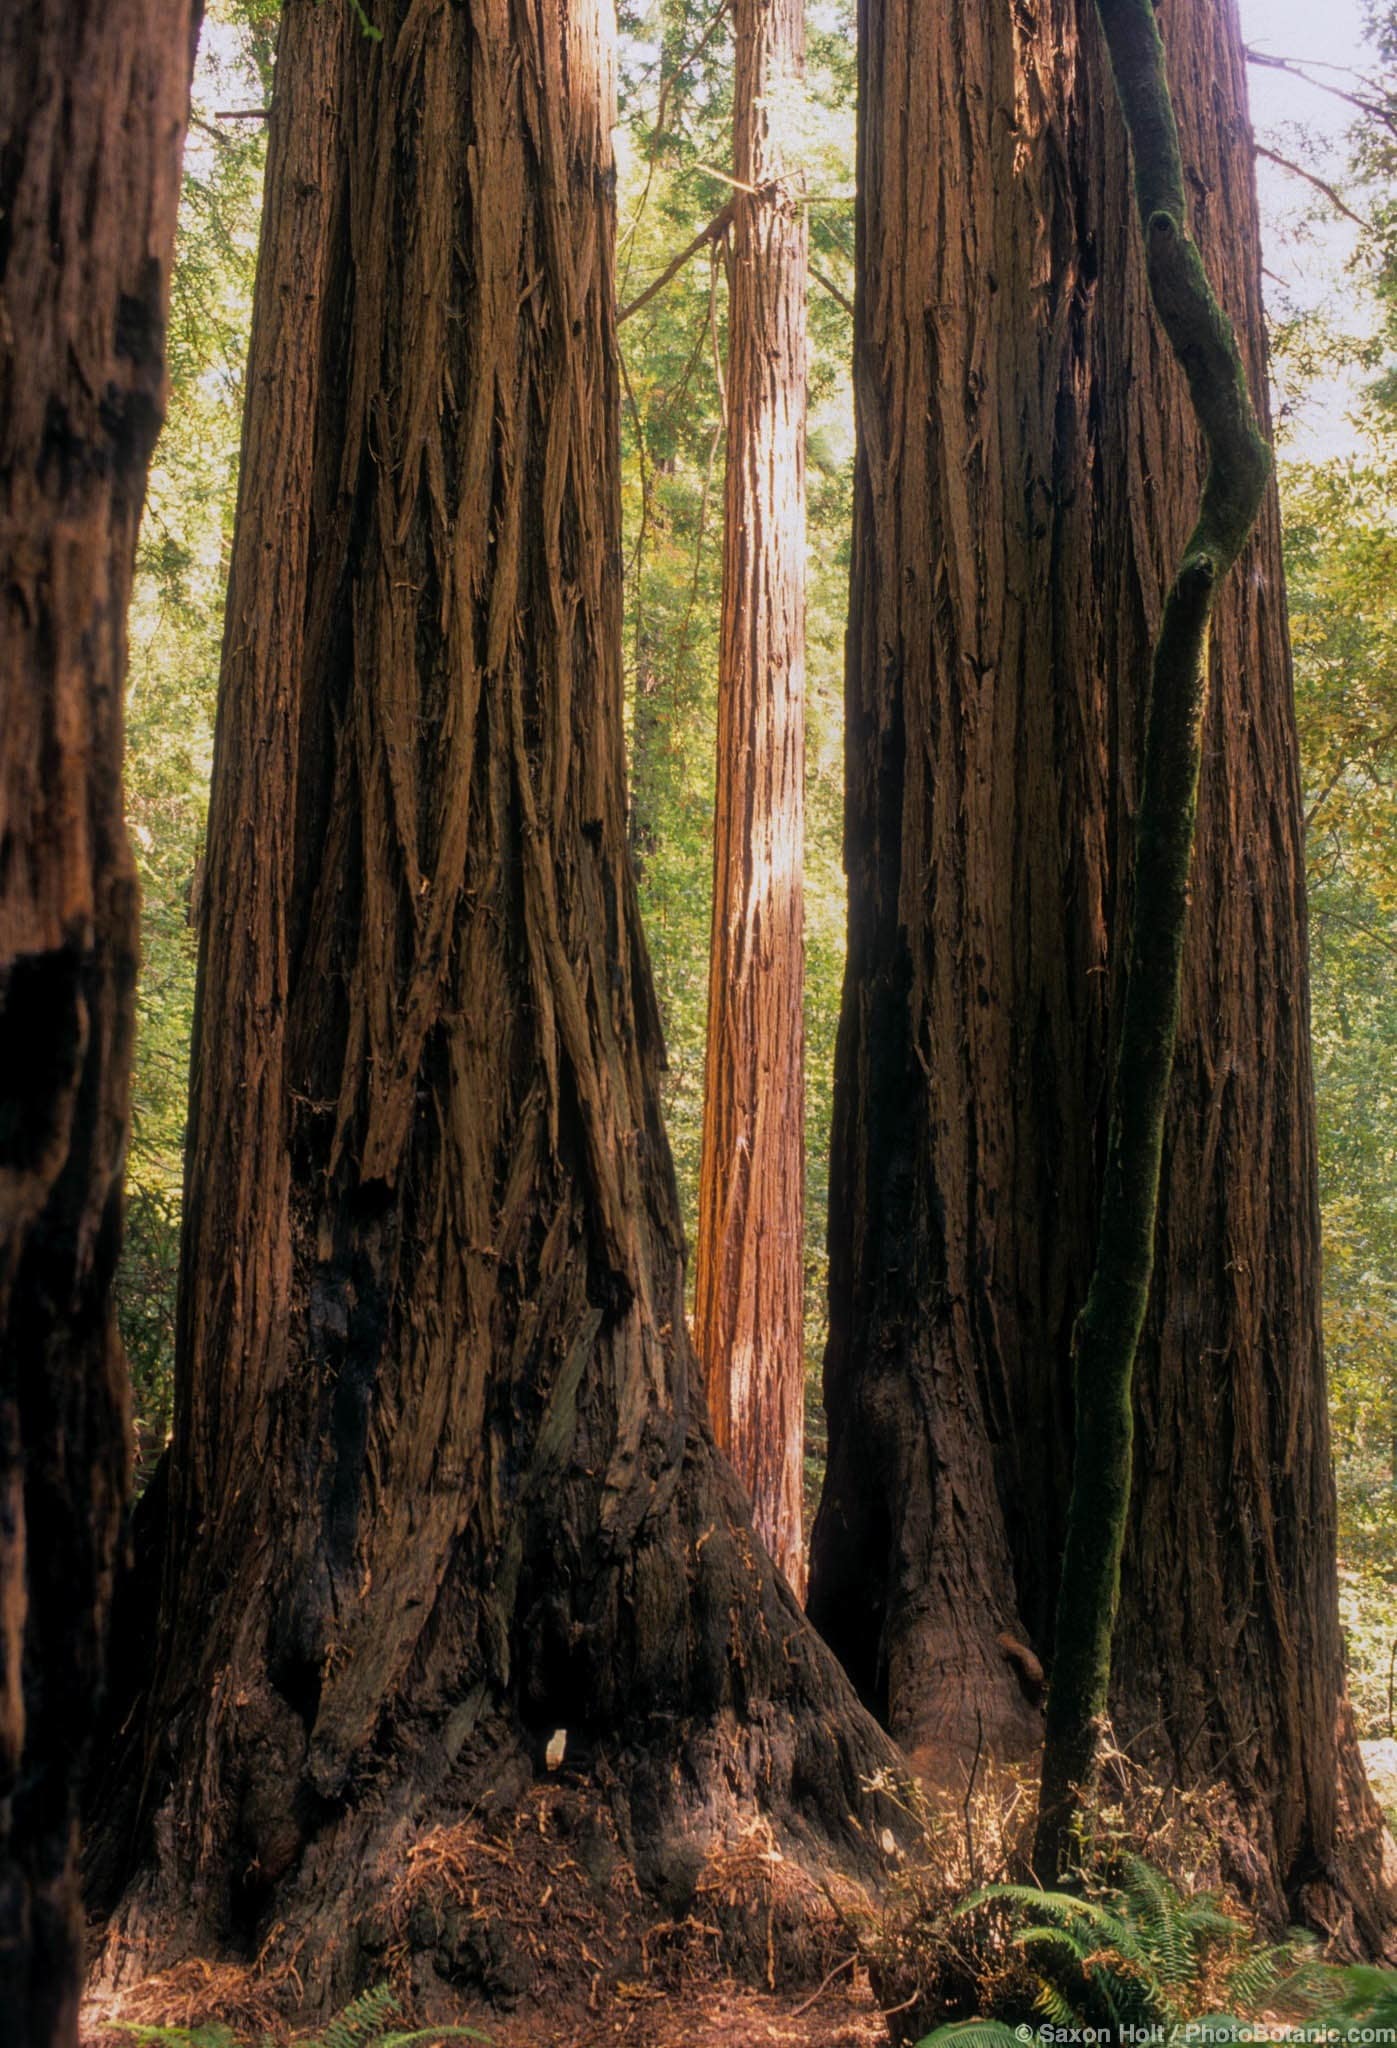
(1027, 472)
(93, 101)
(749, 1280)
(440, 1482)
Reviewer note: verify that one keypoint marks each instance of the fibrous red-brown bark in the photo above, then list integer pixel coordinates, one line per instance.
(440, 1482)
(93, 102)
(749, 1277)
(1027, 474)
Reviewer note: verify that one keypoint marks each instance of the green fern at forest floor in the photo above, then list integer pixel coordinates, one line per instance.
(1137, 1960)
(365, 2023)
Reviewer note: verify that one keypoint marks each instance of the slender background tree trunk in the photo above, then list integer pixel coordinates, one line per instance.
(441, 1482)
(1021, 497)
(93, 103)
(749, 1280)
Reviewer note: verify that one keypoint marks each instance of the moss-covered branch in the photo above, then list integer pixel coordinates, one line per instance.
(1108, 1329)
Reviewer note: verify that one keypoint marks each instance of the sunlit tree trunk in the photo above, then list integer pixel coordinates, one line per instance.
(749, 1280)
(1027, 474)
(440, 1482)
(93, 102)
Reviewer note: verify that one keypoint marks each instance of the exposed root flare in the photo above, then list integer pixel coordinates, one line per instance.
(551, 1901)
(540, 1905)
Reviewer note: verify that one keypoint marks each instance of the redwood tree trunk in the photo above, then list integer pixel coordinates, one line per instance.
(1028, 470)
(93, 102)
(749, 1280)
(440, 1484)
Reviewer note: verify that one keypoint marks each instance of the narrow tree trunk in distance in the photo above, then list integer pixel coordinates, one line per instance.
(1021, 500)
(749, 1281)
(440, 1481)
(93, 102)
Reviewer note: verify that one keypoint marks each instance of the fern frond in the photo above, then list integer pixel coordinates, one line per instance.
(1362, 1988)
(971, 2034)
(1152, 1900)
(425, 2034)
(1059, 1907)
(1126, 1999)
(1207, 1918)
(1215, 2027)
(1256, 1975)
(1138, 1955)
(1059, 1939)
(211, 2035)
(1169, 1931)
(1362, 2001)
(363, 2020)
(1052, 2002)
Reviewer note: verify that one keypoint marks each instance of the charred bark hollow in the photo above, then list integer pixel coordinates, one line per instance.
(1020, 502)
(93, 102)
(440, 1481)
(749, 1294)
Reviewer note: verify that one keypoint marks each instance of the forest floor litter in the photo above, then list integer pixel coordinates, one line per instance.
(725, 2014)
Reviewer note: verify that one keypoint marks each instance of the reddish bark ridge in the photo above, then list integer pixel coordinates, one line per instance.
(441, 1483)
(749, 1287)
(93, 107)
(93, 103)
(1028, 470)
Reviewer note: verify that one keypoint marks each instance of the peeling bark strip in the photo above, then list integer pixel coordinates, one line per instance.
(1021, 505)
(749, 1282)
(93, 103)
(440, 1481)
(1108, 1330)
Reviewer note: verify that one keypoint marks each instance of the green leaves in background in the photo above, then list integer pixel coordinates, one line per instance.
(175, 627)
(673, 149)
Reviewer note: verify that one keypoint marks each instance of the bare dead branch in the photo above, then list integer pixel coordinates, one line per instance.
(1377, 106)
(833, 290)
(1335, 199)
(716, 227)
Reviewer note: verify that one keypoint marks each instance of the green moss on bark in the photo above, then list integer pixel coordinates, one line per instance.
(1108, 1329)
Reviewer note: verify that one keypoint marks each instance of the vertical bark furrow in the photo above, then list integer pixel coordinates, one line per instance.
(984, 965)
(955, 845)
(1108, 1329)
(244, 944)
(474, 1500)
